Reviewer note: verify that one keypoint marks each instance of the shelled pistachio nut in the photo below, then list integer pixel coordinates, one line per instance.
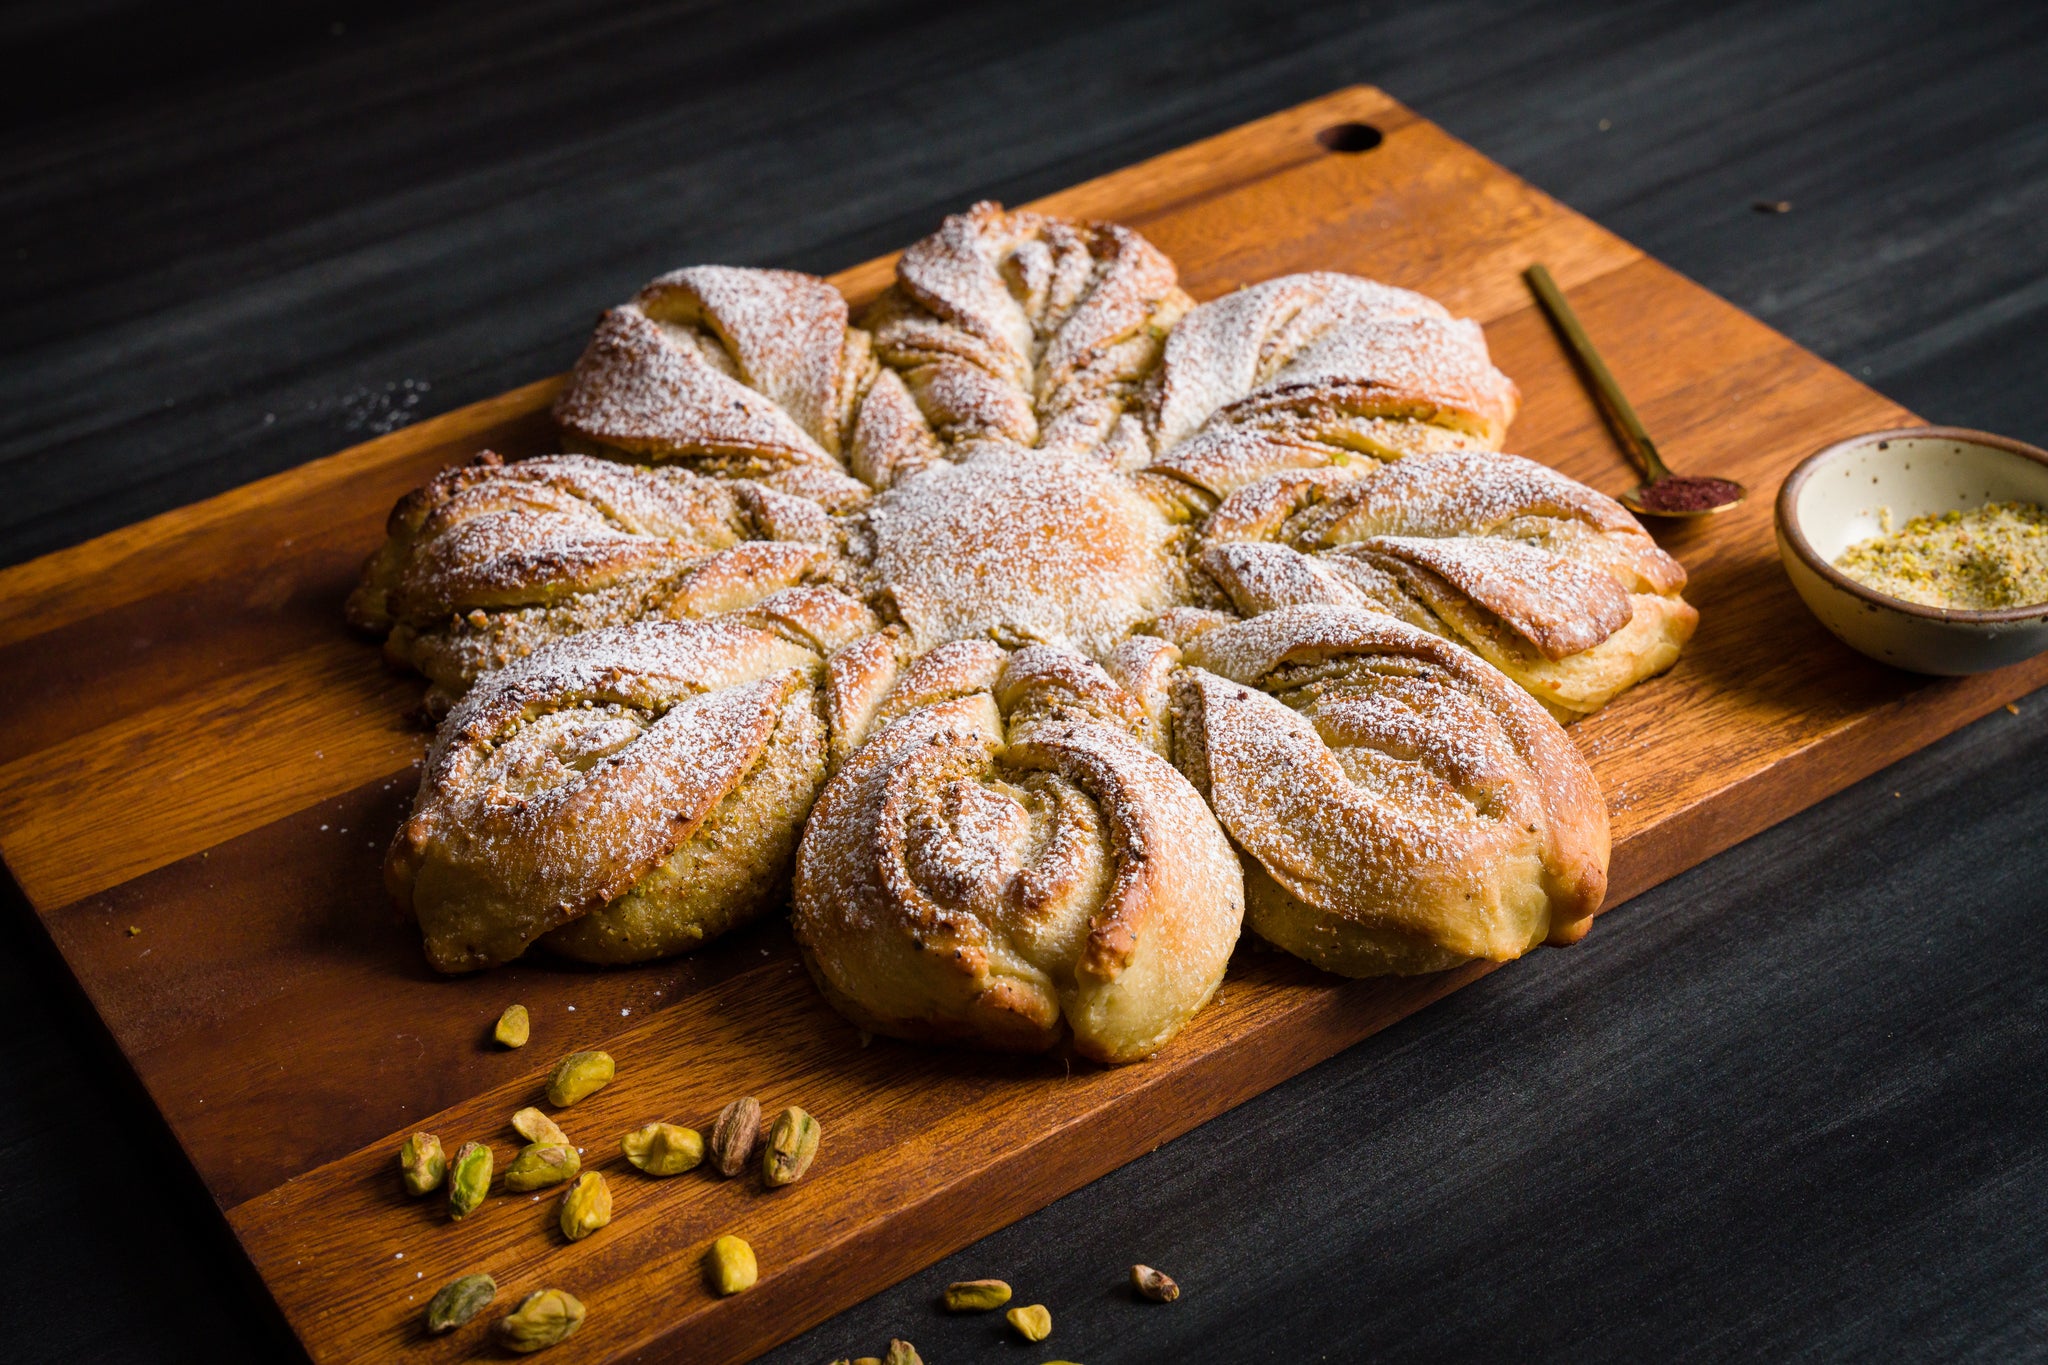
(514, 1027)
(544, 1318)
(976, 1296)
(663, 1148)
(1033, 1322)
(423, 1163)
(535, 1126)
(730, 1265)
(734, 1134)
(579, 1076)
(792, 1143)
(902, 1352)
(586, 1206)
(540, 1165)
(458, 1301)
(469, 1179)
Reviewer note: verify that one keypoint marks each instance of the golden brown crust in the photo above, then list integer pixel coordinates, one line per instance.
(1402, 793)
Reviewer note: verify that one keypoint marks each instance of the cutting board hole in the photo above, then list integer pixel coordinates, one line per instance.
(1350, 137)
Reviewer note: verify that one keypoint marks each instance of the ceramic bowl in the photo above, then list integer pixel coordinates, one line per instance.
(1837, 496)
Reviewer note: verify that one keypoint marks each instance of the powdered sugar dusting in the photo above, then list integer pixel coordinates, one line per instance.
(1018, 547)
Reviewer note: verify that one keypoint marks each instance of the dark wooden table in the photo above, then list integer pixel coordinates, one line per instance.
(1788, 1105)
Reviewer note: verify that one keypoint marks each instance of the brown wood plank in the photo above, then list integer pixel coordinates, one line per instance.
(199, 750)
(928, 1143)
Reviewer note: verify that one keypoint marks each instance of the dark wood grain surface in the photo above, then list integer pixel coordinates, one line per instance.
(1795, 1118)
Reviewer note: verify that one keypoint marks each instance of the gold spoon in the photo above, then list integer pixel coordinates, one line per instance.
(1662, 493)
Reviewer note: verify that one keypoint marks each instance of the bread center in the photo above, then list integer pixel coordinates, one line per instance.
(1021, 546)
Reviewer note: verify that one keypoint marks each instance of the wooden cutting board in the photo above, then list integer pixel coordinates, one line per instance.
(202, 769)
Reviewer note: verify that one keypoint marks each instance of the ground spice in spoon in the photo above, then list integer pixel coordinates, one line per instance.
(1681, 494)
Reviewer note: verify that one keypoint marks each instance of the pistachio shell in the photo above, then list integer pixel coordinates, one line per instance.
(734, 1134)
(1153, 1285)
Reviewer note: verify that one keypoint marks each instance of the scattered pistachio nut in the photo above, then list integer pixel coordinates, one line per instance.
(792, 1143)
(458, 1301)
(902, 1352)
(540, 1165)
(976, 1296)
(423, 1162)
(586, 1206)
(1154, 1285)
(514, 1027)
(544, 1318)
(579, 1076)
(1032, 1321)
(469, 1179)
(731, 1266)
(535, 1126)
(733, 1135)
(663, 1148)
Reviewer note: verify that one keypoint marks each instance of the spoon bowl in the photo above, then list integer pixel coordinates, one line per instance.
(1682, 497)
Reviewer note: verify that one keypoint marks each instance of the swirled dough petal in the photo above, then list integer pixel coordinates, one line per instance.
(491, 561)
(1552, 583)
(1321, 370)
(1407, 806)
(1028, 330)
(739, 372)
(958, 886)
(628, 794)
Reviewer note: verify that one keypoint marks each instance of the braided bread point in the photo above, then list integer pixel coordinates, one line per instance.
(1549, 581)
(627, 794)
(1321, 370)
(1402, 806)
(971, 878)
(1029, 330)
(745, 373)
(490, 561)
